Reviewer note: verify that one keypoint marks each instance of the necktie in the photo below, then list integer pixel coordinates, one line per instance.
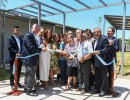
(95, 44)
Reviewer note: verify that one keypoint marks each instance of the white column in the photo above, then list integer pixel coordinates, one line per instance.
(64, 20)
(123, 39)
(30, 25)
(39, 14)
(54, 29)
(104, 26)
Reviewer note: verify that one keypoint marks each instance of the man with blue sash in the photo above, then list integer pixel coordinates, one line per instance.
(100, 49)
(30, 47)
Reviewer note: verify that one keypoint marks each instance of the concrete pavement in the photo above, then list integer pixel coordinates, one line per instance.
(57, 92)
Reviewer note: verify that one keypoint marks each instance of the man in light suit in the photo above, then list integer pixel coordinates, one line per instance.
(113, 48)
(15, 49)
(30, 46)
(101, 48)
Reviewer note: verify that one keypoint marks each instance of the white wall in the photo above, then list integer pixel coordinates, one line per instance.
(24, 28)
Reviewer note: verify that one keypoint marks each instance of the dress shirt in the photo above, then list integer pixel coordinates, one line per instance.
(95, 44)
(84, 48)
(18, 42)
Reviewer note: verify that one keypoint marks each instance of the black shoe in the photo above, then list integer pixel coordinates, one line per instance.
(20, 86)
(33, 91)
(62, 82)
(32, 94)
(102, 94)
(95, 92)
(25, 90)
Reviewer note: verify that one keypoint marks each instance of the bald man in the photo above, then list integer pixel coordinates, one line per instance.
(30, 46)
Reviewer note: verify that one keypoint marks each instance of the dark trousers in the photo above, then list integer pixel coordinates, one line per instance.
(63, 70)
(29, 79)
(101, 83)
(83, 74)
(11, 70)
(91, 76)
(110, 77)
(37, 72)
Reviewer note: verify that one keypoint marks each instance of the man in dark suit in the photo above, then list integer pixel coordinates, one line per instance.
(113, 48)
(14, 48)
(30, 46)
(101, 48)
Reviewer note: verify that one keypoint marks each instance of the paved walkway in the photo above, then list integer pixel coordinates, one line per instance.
(57, 93)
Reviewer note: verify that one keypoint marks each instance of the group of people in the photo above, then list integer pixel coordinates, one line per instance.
(75, 60)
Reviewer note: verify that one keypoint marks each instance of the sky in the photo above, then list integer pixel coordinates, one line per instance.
(84, 19)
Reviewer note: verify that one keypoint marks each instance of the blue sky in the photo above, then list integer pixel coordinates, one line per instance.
(83, 19)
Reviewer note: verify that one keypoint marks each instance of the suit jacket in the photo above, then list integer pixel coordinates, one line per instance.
(113, 49)
(102, 47)
(30, 47)
(13, 47)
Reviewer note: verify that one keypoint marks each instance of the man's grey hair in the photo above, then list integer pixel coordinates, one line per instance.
(98, 29)
(35, 25)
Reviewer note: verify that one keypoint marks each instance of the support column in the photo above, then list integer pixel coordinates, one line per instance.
(54, 29)
(64, 20)
(30, 25)
(104, 26)
(116, 33)
(39, 14)
(123, 40)
(2, 42)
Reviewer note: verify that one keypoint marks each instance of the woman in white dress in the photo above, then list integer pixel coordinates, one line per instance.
(44, 64)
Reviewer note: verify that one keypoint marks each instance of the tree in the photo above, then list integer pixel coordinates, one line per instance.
(99, 21)
(128, 41)
(3, 4)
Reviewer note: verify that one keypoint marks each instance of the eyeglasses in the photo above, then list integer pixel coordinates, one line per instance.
(109, 31)
(97, 32)
(17, 30)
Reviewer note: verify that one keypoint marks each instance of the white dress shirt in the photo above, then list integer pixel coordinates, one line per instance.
(95, 44)
(18, 42)
(36, 39)
(84, 48)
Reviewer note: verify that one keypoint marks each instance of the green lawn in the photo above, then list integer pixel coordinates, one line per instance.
(4, 74)
(126, 62)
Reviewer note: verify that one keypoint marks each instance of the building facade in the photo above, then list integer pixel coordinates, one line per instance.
(25, 25)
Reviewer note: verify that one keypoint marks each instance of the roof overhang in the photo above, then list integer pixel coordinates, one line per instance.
(117, 21)
(32, 8)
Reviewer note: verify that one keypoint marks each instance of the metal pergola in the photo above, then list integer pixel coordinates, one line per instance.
(35, 10)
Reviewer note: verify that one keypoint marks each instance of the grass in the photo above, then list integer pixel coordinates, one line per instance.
(126, 62)
(4, 74)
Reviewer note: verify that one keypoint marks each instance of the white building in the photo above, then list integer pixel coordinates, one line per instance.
(23, 23)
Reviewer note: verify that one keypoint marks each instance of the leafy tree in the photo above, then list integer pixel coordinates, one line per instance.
(128, 41)
(99, 21)
(3, 4)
